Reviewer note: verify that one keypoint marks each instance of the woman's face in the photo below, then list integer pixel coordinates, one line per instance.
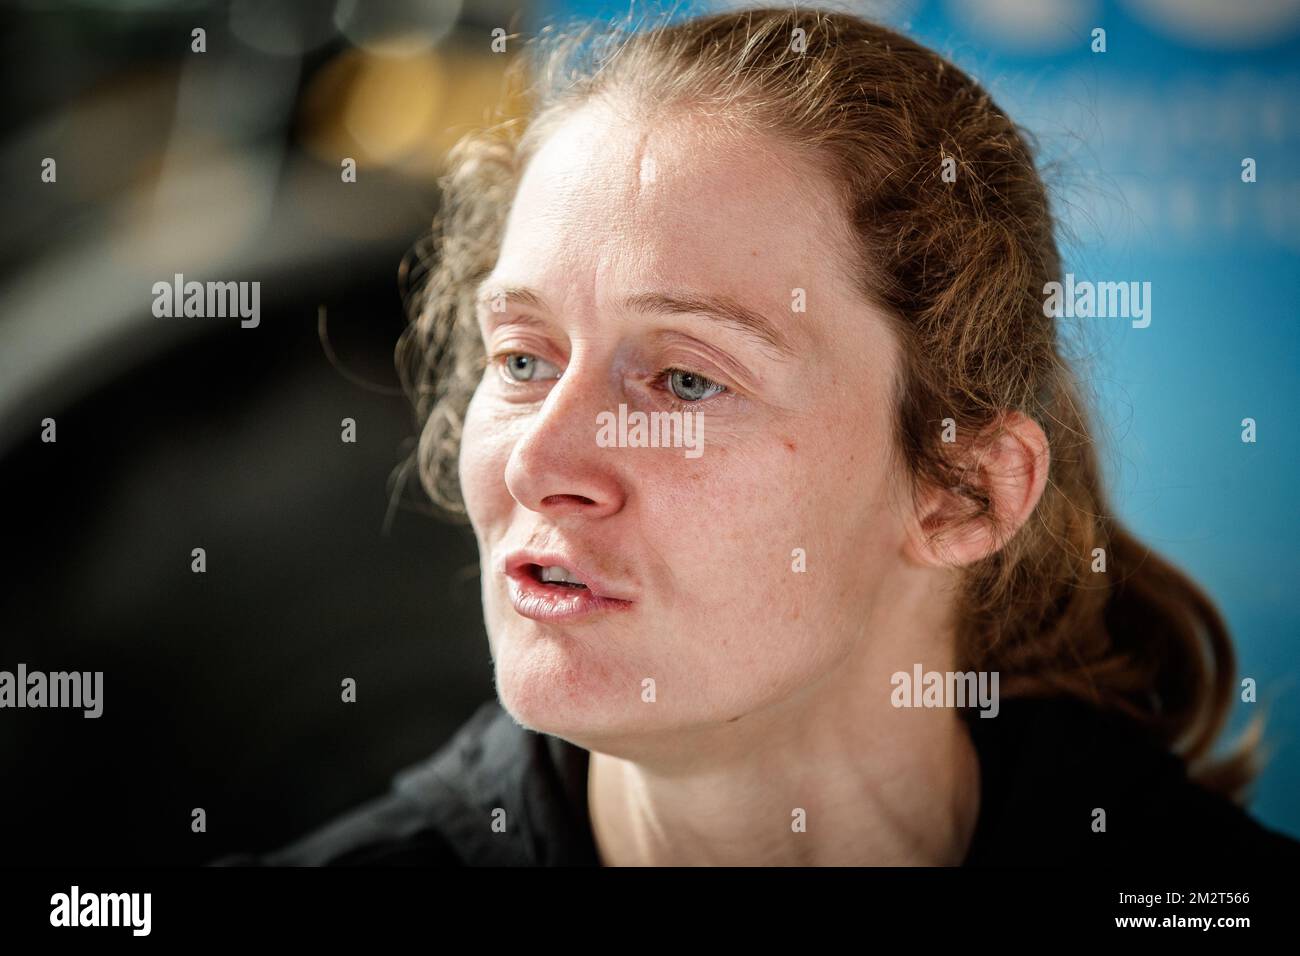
(747, 563)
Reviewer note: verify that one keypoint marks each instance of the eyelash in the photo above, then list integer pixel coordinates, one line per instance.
(677, 404)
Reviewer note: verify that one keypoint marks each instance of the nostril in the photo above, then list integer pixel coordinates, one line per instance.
(566, 500)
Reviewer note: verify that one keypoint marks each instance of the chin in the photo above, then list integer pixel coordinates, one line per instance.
(567, 685)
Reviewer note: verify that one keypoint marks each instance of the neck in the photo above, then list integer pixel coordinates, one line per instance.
(833, 776)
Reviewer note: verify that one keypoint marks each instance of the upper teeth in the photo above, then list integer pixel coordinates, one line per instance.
(559, 574)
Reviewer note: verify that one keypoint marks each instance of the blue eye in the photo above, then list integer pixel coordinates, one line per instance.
(522, 367)
(690, 387)
(683, 385)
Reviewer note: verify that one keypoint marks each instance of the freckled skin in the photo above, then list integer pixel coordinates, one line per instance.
(722, 623)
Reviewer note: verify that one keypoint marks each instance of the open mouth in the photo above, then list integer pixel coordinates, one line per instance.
(555, 593)
(554, 576)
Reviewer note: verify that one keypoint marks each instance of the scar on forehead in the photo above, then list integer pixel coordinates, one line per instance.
(644, 158)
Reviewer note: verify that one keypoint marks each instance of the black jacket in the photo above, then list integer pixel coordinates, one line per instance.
(1045, 765)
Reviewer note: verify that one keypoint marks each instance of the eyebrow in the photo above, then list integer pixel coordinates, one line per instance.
(720, 308)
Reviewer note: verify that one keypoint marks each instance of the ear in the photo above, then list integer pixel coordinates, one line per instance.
(1008, 465)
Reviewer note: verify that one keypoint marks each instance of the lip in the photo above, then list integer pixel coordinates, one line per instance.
(547, 602)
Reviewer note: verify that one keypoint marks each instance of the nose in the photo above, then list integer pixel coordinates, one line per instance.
(556, 468)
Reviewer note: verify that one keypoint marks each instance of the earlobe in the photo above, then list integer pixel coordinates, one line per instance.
(1007, 471)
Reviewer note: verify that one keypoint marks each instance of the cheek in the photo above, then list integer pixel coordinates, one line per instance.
(781, 545)
(481, 465)
(749, 551)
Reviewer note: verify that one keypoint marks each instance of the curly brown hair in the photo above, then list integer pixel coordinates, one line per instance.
(958, 266)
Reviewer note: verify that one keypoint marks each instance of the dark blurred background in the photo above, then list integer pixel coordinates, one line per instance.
(222, 689)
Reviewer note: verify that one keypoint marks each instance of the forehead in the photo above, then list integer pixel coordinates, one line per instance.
(610, 203)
